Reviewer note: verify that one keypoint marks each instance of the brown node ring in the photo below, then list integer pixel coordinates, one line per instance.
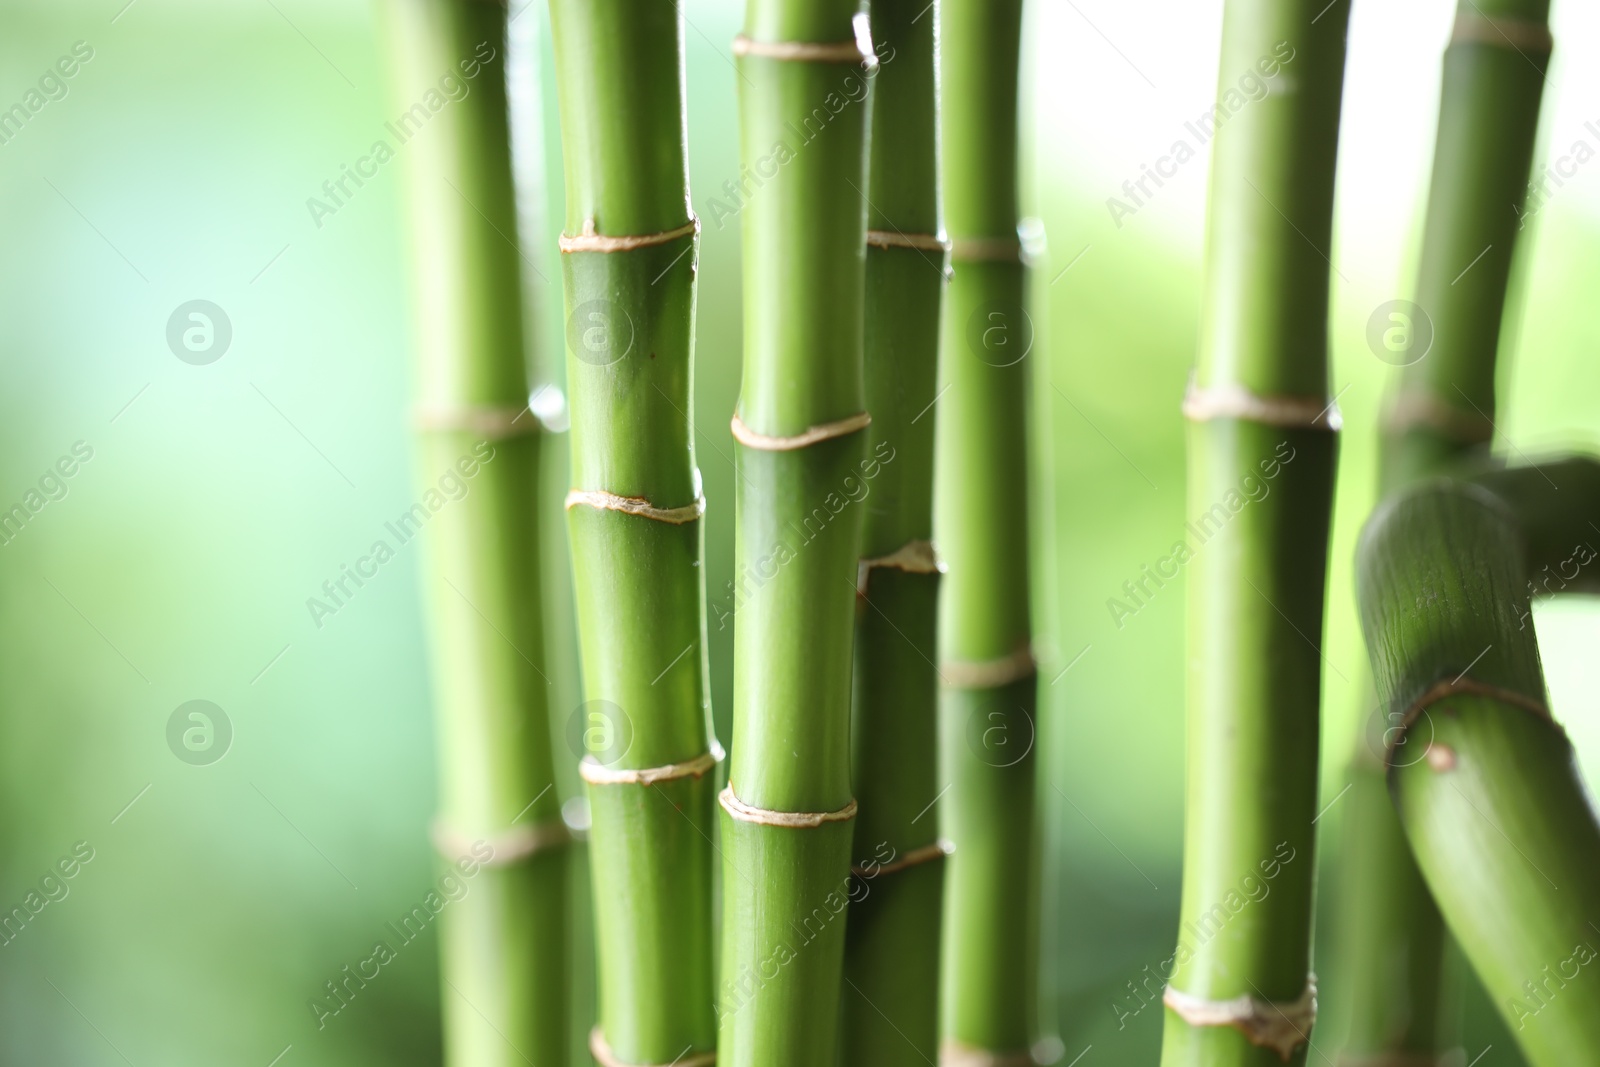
(915, 858)
(636, 505)
(508, 847)
(1205, 403)
(588, 241)
(986, 250)
(793, 820)
(596, 773)
(913, 557)
(989, 673)
(922, 242)
(1502, 32)
(953, 1053)
(1462, 685)
(812, 435)
(601, 1051)
(1281, 1026)
(1420, 408)
(488, 421)
(805, 51)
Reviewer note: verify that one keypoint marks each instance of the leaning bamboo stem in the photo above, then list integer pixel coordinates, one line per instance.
(890, 1010)
(629, 264)
(503, 951)
(1484, 781)
(1242, 992)
(987, 706)
(1442, 411)
(787, 809)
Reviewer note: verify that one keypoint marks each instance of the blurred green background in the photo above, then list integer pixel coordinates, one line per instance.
(220, 497)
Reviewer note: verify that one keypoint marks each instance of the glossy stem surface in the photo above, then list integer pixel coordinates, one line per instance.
(1259, 504)
(803, 83)
(503, 948)
(638, 580)
(891, 996)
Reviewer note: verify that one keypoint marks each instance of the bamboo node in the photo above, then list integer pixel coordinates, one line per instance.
(1202, 404)
(594, 772)
(922, 242)
(851, 51)
(507, 847)
(488, 421)
(636, 505)
(986, 250)
(915, 858)
(1414, 408)
(794, 820)
(989, 673)
(913, 557)
(1443, 690)
(606, 1058)
(597, 242)
(812, 435)
(1473, 27)
(1279, 1025)
(953, 1053)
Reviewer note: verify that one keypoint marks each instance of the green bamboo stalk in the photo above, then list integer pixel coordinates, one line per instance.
(988, 702)
(1441, 415)
(1241, 992)
(890, 1010)
(1486, 783)
(1557, 505)
(629, 262)
(503, 946)
(787, 810)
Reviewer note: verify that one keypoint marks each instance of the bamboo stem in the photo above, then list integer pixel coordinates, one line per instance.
(1242, 992)
(988, 702)
(890, 1005)
(788, 811)
(1442, 412)
(629, 266)
(503, 946)
(1485, 783)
